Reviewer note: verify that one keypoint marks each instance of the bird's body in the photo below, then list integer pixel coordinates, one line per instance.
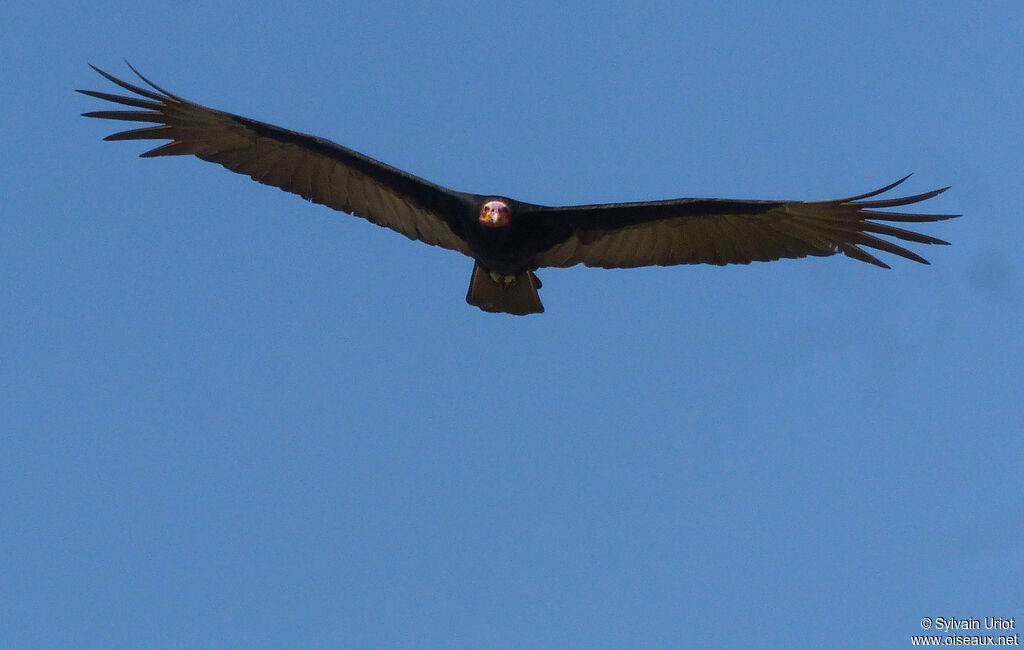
(510, 239)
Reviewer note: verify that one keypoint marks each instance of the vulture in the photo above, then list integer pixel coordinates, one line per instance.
(509, 239)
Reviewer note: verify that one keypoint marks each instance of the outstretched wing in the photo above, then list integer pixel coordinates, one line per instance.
(314, 168)
(720, 231)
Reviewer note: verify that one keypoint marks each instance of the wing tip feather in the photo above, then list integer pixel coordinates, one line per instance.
(881, 190)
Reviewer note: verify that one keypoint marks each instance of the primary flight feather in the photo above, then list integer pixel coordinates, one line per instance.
(510, 239)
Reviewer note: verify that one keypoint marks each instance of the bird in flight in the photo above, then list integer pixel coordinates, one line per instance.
(509, 239)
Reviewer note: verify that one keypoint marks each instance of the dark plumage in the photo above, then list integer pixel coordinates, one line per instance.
(509, 239)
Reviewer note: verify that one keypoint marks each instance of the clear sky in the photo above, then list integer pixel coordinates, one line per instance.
(232, 418)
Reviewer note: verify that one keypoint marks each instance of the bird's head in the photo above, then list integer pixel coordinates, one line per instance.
(495, 214)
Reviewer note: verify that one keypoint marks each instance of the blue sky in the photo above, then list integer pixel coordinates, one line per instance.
(231, 418)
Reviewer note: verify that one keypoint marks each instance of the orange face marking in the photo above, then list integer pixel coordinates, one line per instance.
(495, 214)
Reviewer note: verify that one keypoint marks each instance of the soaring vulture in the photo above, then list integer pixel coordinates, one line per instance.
(509, 239)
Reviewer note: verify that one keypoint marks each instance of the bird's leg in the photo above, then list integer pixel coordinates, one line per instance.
(504, 280)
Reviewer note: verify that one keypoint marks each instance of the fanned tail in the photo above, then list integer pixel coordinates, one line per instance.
(506, 294)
